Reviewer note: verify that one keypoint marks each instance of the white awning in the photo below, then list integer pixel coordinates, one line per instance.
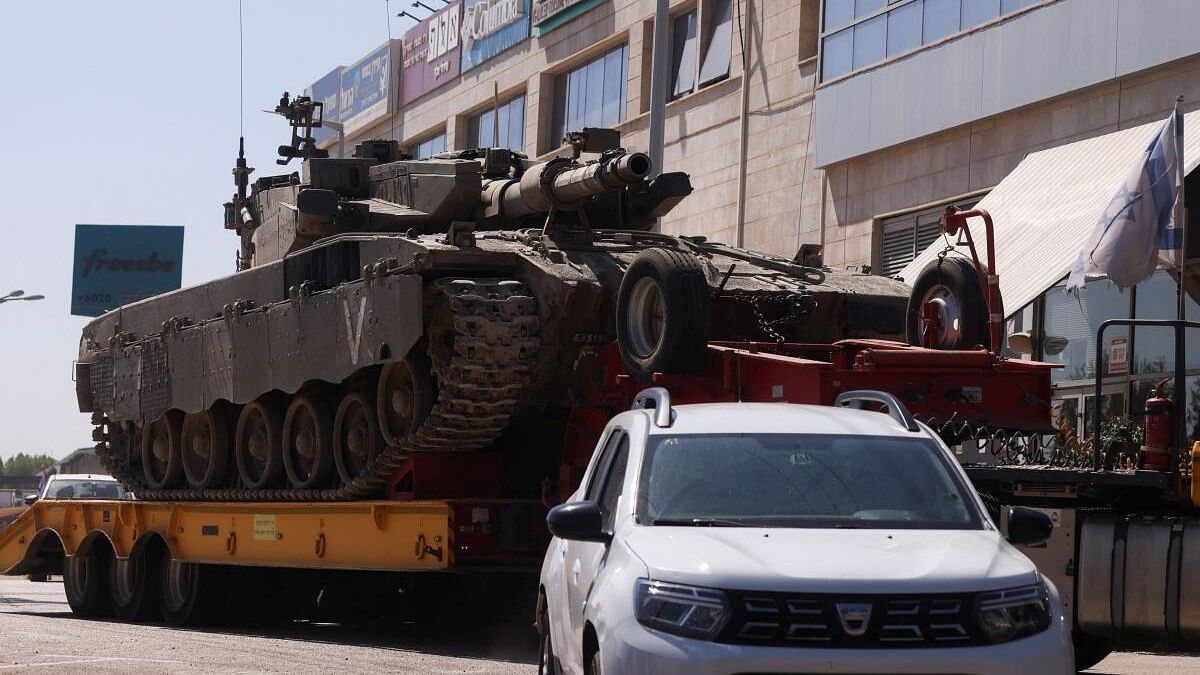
(1044, 210)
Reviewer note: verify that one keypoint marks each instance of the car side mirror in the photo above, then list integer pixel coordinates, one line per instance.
(1028, 527)
(577, 521)
(30, 499)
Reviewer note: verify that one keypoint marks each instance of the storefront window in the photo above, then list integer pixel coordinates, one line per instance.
(859, 33)
(481, 131)
(592, 95)
(975, 12)
(904, 28)
(1019, 324)
(430, 146)
(1070, 327)
(1154, 347)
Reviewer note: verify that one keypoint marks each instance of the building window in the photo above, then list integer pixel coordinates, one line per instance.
(712, 19)
(430, 146)
(591, 95)
(508, 119)
(718, 48)
(903, 237)
(683, 54)
(858, 33)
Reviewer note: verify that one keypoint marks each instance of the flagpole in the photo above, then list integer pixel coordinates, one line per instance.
(1180, 211)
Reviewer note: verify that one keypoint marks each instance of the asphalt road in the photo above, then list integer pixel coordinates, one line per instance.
(38, 633)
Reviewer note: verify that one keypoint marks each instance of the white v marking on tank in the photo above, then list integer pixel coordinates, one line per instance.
(354, 332)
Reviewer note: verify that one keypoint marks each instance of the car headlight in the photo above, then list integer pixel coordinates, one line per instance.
(689, 611)
(1014, 613)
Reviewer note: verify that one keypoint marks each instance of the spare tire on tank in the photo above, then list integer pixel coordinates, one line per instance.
(663, 310)
(954, 285)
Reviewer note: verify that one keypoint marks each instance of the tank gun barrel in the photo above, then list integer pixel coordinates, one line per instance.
(563, 184)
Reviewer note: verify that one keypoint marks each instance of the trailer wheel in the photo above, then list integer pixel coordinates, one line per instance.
(190, 594)
(307, 437)
(205, 449)
(952, 285)
(258, 446)
(162, 456)
(356, 438)
(1090, 650)
(663, 312)
(403, 397)
(133, 587)
(85, 580)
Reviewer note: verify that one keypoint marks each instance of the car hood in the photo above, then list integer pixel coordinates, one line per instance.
(837, 561)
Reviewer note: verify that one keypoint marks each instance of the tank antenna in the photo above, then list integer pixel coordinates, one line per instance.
(387, 5)
(241, 75)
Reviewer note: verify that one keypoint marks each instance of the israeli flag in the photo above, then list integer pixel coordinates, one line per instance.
(1138, 230)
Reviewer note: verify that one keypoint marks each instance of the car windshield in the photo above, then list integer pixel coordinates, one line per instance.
(85, 488)
(802, 480)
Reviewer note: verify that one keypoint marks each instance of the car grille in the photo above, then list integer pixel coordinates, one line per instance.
(857, 621)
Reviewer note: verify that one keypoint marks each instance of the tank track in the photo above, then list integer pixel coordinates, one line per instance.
(493, 345)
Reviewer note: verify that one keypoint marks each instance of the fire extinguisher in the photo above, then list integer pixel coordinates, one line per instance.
(1156, 453)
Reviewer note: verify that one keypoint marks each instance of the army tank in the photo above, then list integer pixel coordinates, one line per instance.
(385, 306)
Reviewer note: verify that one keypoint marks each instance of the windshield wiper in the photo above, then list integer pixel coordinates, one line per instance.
(704, 522)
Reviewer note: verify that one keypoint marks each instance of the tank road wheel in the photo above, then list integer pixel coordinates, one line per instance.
(162, 456)
(356, 438)
(190, 594)
(258, 446)
(85, 580)
(205, 441)
(133, 587)
(307, 437)
(403, 398)
(663, 312)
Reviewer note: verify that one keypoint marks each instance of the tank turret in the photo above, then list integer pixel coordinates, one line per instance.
(381, 190)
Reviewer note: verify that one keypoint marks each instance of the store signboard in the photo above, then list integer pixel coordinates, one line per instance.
(550, 14)
(367, 88)
(430, 57)
(327, 91)
(490, 27)
(119, 264)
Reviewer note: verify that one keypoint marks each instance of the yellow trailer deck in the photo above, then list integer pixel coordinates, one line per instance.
(379, 535)
(188, 561)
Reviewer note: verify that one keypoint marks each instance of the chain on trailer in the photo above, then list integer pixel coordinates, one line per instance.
(495, 328)
(1015, 447)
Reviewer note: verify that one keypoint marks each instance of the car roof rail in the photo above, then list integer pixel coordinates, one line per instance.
(659, 399)
(898, 411)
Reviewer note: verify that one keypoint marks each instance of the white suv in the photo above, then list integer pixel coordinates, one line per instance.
(768, 537)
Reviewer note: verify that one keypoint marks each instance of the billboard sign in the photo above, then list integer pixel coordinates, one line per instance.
(490, 27)
(327, 90)
(119, 264)
(550, 14)
(430, 57)
(367, 89)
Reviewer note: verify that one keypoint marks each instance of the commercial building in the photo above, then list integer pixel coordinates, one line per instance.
(521, 72)
(845, 123)
(1058, 99)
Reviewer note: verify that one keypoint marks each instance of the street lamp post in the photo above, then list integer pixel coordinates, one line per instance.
(20, 295)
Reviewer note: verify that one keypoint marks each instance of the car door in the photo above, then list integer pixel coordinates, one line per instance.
(559, 592)
(584, 560)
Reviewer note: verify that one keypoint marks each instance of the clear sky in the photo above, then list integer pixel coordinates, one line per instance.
(127, 113)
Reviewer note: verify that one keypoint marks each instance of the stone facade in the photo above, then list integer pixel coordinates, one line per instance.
(787, 201)
(702, 128)
(973, 158)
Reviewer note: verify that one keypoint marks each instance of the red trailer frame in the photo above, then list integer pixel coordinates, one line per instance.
(971, 387)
